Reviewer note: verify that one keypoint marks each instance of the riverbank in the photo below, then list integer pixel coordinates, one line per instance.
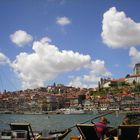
(61, 112)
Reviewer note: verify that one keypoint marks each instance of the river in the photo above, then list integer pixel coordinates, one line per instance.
(54, 122)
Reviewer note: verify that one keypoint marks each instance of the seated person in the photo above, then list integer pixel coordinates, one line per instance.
(102, 129)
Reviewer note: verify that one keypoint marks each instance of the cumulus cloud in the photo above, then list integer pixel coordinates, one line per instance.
(21, 38)
(97, 70)
(77, 82)
(45, 40)
(45, 63)
(63, 21)
(118, 30)
(98, 67)
(135, 56)
(4, 59)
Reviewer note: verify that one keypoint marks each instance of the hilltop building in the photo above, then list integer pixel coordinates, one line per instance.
(131, 78)
(128, 79)
(136, 69)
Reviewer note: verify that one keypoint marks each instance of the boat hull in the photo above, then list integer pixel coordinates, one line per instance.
(74, 111)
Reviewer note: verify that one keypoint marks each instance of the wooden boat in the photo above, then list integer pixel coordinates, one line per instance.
(125, 132)
(24, 131)
(134, 117)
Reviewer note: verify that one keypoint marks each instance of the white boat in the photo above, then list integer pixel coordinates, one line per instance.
(74, 111)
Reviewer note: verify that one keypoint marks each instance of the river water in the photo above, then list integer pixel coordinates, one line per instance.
(55, 122)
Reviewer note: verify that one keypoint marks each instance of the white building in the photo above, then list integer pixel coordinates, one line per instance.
(107, 84)
(137, 68)
(133, 77)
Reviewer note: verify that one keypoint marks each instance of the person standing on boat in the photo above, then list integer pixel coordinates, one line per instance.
(102, 129)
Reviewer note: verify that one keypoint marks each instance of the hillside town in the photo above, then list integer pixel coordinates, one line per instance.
(111, 94)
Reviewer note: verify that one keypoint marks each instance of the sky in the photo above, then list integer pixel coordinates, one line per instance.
(70, 42)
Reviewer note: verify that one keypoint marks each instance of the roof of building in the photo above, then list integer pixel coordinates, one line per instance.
(133, 75)
(118, 80)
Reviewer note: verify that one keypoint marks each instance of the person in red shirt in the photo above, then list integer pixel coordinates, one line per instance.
(102, 129)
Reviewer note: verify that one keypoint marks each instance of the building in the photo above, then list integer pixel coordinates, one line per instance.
(131, 78)
(136, 69)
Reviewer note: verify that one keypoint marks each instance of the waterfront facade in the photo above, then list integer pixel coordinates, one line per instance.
(42, 102)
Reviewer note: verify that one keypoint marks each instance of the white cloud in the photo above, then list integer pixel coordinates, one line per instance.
(98, 67)
(63, 21)
(97, 70)
(135, 56)
(45, 40)
(76, 82)
(45, 63)
(118, 30)
(21, 38)
(4, 59)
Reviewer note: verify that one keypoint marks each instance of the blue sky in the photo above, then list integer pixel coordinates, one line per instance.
(73, 42)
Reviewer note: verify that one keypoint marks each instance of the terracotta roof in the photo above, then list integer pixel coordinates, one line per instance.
(134, 75)
(118, 80)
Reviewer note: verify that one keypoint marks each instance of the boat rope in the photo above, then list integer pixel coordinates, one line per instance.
(90, 120)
